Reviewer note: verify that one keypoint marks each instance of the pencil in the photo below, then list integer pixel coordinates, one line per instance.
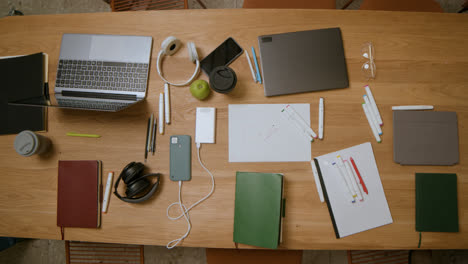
(147, 134)
(361, 181)
(150, 133)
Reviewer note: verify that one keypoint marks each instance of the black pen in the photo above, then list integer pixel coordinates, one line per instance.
(147, 136)
(154, 135)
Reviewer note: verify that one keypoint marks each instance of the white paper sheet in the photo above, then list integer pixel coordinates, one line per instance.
(259, 133)
(351, 218)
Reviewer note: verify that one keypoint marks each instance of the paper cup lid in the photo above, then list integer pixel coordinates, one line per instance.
(26, 143)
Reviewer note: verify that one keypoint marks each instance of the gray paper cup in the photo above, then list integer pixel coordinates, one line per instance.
(28, 143)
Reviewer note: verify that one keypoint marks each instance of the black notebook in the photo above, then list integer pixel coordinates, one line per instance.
(22, 77)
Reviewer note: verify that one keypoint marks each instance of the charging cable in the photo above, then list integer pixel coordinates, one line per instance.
(183, 209)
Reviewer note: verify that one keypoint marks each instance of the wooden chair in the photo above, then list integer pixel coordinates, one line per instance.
(299, 4)
(378, 256)
(136, 5)
(86, 252)
(400, 5)
(252, 256)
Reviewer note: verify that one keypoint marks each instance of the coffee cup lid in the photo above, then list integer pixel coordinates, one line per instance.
(25, 143)
(223, 79)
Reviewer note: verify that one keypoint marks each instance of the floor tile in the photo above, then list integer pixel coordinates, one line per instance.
(316, 257)
(178, 255)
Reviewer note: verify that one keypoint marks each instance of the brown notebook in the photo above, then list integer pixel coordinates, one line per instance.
(78, 199)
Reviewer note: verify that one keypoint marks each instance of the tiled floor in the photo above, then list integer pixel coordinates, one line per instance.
(52, 251)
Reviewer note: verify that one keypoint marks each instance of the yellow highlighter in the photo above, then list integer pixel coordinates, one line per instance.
(71, 134)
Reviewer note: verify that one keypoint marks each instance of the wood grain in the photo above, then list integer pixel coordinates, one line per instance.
(421, 58)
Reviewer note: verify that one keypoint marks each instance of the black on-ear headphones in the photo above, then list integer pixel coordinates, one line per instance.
(136, 183)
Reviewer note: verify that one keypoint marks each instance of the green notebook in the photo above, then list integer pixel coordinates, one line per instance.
(258, 209)
(436, 202)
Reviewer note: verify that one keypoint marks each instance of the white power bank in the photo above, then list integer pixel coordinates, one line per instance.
(205, 125)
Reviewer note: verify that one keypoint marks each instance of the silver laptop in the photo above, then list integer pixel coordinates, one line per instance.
(99, 72)
(303, 61)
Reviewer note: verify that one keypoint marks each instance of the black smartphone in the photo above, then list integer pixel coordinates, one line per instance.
(223, 55)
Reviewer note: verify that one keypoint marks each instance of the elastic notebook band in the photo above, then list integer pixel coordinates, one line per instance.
(62, 232)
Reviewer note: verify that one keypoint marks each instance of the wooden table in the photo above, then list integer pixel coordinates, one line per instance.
(421, 58)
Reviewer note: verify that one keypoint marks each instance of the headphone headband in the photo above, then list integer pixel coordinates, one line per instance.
(169, 47)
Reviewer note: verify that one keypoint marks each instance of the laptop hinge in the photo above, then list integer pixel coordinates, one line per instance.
(128, 97)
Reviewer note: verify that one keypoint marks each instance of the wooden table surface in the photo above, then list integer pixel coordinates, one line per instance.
(421, 58)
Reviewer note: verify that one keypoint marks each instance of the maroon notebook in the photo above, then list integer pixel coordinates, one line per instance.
(78, 199)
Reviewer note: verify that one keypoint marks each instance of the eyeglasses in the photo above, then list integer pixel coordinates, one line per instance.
(368, 68)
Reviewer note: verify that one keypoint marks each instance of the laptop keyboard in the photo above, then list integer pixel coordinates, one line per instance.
(91, 105)
(102, 75)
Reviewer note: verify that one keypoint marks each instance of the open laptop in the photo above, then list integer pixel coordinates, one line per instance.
(303, 61)
(99, 72)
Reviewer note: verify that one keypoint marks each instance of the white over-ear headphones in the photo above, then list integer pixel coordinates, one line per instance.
(170, 46)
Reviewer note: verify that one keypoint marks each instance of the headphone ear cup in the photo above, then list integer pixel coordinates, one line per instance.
(132, 170)
(170, 45)
(136, 187)
(192, 50)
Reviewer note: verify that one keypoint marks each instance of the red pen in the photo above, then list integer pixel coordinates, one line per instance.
(359, 176)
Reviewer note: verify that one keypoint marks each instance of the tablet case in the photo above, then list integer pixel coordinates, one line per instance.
(22, 77)
(425, 138)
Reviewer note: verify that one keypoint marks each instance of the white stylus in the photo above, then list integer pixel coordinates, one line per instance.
(321, 115)
(161, 113)
(105, 203)
(250, 65)
(166, 103)
(413, 107)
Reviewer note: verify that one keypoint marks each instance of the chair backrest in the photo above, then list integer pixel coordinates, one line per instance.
(299, 4)
(402, 5)
(87, 252)
(136, 5)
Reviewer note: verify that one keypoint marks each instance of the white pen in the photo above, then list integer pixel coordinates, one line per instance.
(250, 65)
(413, 107)
(373, 115)
(373, 105)
(296, 116)
(321, 116)
(354, 183)
(167, 105)
(317, 181)
(371, 124)
(161, 113)
(105, 203)
(342, 170)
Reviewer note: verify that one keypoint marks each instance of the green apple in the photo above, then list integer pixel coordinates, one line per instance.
(200, 89)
